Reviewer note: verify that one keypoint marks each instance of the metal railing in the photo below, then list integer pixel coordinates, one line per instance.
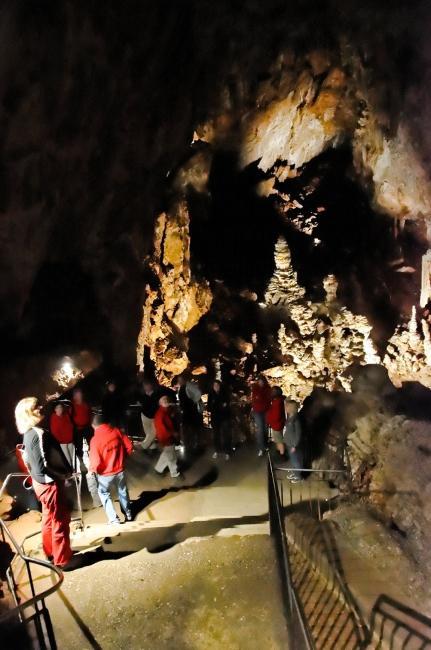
(320, 609)
(316, 492)
(32, 610)
(299, 634)
(395, 626)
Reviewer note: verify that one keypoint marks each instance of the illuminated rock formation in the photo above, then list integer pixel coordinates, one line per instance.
(408, 354)
(384, 159)
(321, 341)
(311, 117)
(179, 301)
(324, 338)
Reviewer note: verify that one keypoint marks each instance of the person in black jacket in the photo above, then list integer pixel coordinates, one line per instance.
(219, 408)
(48, 469)
(149, 400)
(191, 405)
(113, 405)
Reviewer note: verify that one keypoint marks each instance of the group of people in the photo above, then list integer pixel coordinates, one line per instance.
(277, 416)
(96, 445)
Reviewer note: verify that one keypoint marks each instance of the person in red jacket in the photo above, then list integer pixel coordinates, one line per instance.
(82, 417)
(276, 417)
(166, 434)
(61, 427)
(260, 403)
(109, 448)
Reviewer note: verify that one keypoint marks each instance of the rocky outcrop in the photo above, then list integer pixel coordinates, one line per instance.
(313, 116)
(173, 308)
(391, 464)
(383, 159)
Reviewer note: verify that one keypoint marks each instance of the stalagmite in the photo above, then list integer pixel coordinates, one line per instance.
(408, 355)
(329, 340)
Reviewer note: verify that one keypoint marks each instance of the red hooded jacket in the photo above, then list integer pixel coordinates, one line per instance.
(62, 428)
(260, 397)
(81, 413)
(276, 416)
(109, 448)
(164, 425)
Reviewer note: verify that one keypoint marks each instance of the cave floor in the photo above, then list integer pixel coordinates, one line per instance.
(223, 506)
(196, 568)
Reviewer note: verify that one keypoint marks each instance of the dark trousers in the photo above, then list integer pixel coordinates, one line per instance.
(78, 437)
(192, 430)
(222, 436)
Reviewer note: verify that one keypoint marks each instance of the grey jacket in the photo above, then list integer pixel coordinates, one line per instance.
(292, 431)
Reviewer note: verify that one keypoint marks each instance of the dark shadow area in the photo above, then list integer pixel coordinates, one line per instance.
(232, 238)
(412, 400)
(63, 309)
(146, 497)
(348, 228)
(161, 538)
(78, 620)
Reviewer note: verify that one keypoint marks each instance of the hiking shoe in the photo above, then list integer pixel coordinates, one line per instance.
(75, 562)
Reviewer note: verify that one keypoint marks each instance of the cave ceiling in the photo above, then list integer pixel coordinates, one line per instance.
(117, 123)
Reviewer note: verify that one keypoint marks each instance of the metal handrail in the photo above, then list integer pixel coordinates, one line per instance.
(414, 632)
(311, 470)
(295, 617)
(9, 477)
(36, 598)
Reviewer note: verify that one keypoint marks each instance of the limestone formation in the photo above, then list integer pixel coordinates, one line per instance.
(173, 308)
(408, 354)
(385, 159)
(311, 117)
(381, 449)
(321, 340)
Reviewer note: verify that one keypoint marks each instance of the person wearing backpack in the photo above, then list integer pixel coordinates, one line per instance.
(49, 469)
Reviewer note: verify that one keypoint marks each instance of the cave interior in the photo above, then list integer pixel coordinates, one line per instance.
(169, 205)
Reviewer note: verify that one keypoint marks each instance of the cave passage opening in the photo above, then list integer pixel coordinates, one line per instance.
(330, 227)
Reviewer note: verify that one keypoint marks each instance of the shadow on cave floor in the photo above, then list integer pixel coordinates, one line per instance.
(136, 536)
(146, 497)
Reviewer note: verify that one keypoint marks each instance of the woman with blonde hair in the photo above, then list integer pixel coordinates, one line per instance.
(48, 482)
